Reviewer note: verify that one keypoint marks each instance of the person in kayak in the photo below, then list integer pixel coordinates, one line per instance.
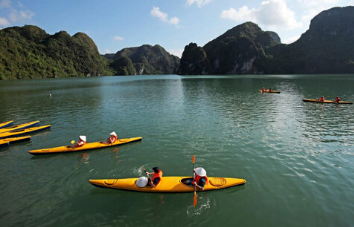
(156, 177)
(270, 89)
(113, 138)
(337, 100)
(263, 89)
(322, 99)
(201, 178)
(80, 143)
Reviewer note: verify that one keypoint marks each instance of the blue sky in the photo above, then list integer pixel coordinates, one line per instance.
(116, 24)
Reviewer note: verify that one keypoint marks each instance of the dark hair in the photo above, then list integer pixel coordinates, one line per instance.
(156, 169)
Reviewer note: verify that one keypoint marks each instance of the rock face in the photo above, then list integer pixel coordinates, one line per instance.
(194, 61)
(234, 52)
(29, 52)
(327, 47)
(123, 66)
(148, 59)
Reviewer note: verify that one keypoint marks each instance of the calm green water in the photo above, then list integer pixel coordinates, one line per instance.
(297, 157)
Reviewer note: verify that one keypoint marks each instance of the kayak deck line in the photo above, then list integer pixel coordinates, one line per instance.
(23, 131)
(326, 101)
(18, 127)
(6, 124)
(172, 184)
(88, 146)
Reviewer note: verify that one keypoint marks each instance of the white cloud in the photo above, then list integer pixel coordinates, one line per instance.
(21, 16)
(4, 22)
(198, 2)
(177, 53)
(351, 3)
(291, 39)
(118, 38)
(5, 4)
(272, 13)
(174, 20)
(155, 12)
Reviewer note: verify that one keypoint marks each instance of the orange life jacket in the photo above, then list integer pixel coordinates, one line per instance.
(198, 178)
(112, 139)
(159, 174)
(80, 143)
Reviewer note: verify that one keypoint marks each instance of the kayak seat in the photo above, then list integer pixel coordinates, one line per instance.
(187, 181)
(110, 182)
(217, 181)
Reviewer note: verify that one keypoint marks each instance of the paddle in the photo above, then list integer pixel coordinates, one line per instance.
(195, 185)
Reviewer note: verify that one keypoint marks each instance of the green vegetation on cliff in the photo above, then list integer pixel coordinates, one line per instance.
(29, 52)
(147, 59)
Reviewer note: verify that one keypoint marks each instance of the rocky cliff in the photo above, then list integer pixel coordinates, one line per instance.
(29, 52)
(327, 47)
(148, 59)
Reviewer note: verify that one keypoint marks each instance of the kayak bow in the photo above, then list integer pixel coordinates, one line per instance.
(168, 184)
(88, 146)
(23, 131)
(22, 126)
(16, 139)
(6, 124)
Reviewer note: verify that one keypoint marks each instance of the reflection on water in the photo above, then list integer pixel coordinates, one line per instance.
(296, 157)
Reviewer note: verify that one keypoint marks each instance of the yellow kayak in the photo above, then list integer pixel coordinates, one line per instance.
(88, 146)
(326, 101)
(168, 184)
(4, 143)
(16, 139)
(22, 126)
(23, 131)
(267, 91)
(6, 124)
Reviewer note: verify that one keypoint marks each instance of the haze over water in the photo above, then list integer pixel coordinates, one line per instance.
(297, 157)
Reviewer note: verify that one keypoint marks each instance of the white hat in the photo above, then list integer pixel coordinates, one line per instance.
(200, 171)
(142, 182)
(113, 134)
(82, 138)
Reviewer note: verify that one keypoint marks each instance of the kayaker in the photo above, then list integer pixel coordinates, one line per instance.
(322, 99)
(156, 177)
(81, 142)
(337, 100)
(263, 89)
(270, 89)
(113, 138)
(201, 178)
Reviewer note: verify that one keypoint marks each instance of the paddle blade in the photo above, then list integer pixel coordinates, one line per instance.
(193, 159)
(72, 141)
(195, 198)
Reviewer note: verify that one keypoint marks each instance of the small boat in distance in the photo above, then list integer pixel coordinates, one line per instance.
(267, 91)
(326, 101)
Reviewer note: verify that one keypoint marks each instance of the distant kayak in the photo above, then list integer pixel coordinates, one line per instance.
(23, 131)
(16, 139)
(6, 124)
(326, 101)
(16, 127)
(88, 146)
(272, 91)
(168, 184)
